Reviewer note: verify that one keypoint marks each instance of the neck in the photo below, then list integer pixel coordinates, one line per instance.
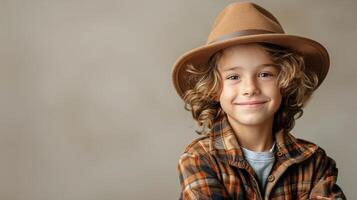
(257, 138)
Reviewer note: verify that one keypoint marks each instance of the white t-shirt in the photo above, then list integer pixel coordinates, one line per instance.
(261, 162)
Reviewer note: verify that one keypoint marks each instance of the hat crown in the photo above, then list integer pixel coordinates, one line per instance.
(242, 19)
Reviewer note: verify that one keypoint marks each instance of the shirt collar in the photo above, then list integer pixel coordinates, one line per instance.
(224, 145)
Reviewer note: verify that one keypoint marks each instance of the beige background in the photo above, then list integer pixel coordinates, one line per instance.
(88, 111)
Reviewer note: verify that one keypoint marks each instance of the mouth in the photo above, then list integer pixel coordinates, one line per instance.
(251, 104)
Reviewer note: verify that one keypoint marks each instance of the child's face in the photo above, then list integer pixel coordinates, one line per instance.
(250, 94)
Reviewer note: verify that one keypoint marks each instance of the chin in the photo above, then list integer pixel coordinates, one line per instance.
(249, 120)
(252, 122)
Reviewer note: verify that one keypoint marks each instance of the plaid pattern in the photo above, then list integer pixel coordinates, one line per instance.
(213, 167)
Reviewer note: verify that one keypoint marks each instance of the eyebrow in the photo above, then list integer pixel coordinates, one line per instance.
(260, 66)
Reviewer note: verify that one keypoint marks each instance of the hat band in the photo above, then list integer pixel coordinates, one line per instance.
(241, 33)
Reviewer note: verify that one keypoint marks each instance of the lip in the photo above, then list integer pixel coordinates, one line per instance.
(251, 104)
(247, 103)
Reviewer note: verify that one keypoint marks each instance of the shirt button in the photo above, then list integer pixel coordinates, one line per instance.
(271, 178)
(280, 153)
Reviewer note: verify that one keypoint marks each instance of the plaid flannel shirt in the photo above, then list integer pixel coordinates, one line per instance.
(213, 167)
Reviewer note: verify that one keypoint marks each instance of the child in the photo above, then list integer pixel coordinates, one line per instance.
(245, 88)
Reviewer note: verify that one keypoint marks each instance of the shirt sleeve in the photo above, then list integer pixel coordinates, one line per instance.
(324, 183)
(198, 179)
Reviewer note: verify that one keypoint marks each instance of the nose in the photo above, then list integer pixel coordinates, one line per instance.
(250, 87)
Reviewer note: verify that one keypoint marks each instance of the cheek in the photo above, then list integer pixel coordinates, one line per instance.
(276, 93)
(277, 96)
(273, 89)
(227, 92)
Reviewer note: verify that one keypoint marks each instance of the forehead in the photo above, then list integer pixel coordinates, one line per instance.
(244, 55)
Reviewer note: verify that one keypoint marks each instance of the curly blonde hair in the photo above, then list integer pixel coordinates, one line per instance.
(295, 82)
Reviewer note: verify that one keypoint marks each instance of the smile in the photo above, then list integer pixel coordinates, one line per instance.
(252, 104)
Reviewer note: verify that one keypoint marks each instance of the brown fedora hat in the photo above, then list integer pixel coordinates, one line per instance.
(247, 22)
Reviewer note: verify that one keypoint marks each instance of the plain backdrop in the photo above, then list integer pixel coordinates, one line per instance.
(88, 110)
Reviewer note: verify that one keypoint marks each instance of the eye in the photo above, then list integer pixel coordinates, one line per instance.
(233, 77)
(265, 74)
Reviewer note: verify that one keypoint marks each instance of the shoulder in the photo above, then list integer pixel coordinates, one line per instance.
(319, 151)
(198, 147)
(323, 161)
(197, 157)
(319, 157)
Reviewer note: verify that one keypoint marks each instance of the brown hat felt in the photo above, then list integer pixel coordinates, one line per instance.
(247, 22)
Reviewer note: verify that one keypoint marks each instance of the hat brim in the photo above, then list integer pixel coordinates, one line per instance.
(315, 55)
